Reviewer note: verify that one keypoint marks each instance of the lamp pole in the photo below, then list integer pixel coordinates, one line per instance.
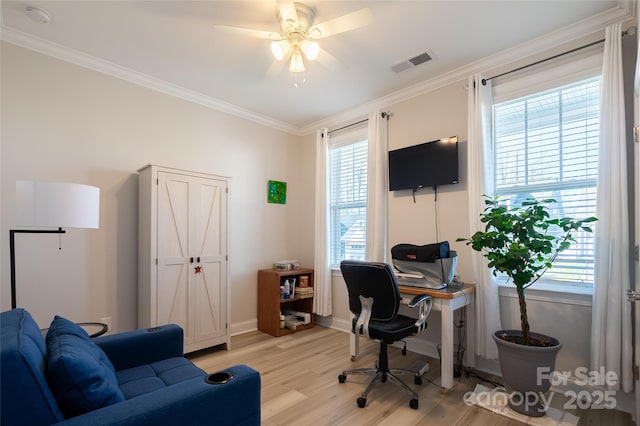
(12, 252)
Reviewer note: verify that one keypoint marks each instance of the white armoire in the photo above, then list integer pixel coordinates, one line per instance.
(182, 254)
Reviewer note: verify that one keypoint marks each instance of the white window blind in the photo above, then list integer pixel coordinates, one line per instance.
(546, 146)
(348, 201)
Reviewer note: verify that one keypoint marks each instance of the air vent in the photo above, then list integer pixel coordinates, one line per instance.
(411, 62)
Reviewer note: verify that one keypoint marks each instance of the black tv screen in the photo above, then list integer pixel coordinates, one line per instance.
(424, 165)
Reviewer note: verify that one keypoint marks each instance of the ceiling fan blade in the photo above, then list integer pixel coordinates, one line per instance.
(269, 35)
(348, 22)
(288, 13)
(330, 62)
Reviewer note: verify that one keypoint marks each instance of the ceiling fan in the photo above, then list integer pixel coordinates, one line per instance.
(298, 34)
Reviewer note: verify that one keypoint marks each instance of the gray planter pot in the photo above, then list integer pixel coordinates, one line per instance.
(520, 366)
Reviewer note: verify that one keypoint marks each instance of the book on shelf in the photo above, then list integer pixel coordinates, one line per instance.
(304, 292)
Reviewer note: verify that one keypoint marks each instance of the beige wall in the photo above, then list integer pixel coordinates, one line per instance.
(61, 122)
(432, 116)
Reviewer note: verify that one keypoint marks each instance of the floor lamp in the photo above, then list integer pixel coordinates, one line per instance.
(51, 205)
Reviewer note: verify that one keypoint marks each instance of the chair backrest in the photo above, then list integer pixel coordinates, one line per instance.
(372, 279)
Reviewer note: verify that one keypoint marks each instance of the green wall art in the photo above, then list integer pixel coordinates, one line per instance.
(277, 192)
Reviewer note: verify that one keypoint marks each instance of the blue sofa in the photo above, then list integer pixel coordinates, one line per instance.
(133, 378)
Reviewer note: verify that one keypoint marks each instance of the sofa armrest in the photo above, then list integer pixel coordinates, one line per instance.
(192, 402)
(132, 348)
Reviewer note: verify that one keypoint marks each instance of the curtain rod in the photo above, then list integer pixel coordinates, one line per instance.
(384, 115)
(349, 125)
(484, 80)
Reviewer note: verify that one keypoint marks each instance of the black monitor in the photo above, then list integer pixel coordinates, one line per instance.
(428, 164)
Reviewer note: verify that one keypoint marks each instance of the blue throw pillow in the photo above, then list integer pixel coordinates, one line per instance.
(79, 373)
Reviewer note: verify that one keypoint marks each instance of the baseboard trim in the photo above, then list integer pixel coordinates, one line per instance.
(337, 324)
(244, 327)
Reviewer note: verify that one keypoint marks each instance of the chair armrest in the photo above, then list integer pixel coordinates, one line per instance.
(192, 402)
(132, 348)
(362, 325)
(424, 303)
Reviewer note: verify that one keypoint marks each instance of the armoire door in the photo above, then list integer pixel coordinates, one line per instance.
(191, 278)
(208, 246)
(173, 264)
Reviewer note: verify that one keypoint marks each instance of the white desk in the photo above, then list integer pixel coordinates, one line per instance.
(446, 301)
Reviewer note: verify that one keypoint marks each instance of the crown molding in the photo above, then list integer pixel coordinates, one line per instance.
(623, 11)
(76, 57)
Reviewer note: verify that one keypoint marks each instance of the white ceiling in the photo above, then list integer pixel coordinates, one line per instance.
(174, 46)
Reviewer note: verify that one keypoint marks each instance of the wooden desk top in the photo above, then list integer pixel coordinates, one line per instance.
(446, 293)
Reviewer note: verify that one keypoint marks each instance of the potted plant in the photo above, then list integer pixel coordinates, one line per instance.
(522, 243)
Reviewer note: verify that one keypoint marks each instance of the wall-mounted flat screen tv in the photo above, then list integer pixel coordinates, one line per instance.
(428, 164)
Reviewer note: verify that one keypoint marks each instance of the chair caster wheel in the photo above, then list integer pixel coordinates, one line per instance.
(413, 403)
(361, 402)
(417, 380)
(342, 378)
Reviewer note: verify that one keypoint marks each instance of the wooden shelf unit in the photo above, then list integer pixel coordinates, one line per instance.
(270, 304)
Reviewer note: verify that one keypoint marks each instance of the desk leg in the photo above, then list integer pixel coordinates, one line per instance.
(446, 346)
(354, 346)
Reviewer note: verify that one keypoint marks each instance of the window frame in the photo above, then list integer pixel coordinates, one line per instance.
(522, 89)
(344, 139)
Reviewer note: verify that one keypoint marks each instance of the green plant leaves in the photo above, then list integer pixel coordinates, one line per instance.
(522, 242)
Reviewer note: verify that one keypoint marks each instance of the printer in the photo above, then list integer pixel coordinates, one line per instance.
(430, 266)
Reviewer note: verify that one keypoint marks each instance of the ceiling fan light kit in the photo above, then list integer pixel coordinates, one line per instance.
(295, 21)
(298, 37)
(297, 63)
(279, 49)
(311, 49)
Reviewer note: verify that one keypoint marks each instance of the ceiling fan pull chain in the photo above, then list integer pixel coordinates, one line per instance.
(295, 78)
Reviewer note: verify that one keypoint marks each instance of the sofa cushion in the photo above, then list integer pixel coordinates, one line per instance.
(147, 378)
(79, 373)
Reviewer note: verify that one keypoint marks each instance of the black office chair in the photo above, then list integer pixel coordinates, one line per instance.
(374, 299)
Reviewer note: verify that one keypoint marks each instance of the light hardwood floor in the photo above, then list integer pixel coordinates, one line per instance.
(299, 374)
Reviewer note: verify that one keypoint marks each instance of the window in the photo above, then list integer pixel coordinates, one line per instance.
(546, 146)
(348, 200)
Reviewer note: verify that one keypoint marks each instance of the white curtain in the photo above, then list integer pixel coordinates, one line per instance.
(636, 123)
(322, 260)
(480, 182)
(611, 317)
(377, 185)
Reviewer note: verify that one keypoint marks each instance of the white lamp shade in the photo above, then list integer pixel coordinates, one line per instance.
(311, 49)
(279, 49)
(58, 205)
(297, 63)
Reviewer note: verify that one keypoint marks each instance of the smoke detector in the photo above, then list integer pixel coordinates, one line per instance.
(37, 15)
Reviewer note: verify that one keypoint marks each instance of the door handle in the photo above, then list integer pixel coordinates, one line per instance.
(633, 296)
